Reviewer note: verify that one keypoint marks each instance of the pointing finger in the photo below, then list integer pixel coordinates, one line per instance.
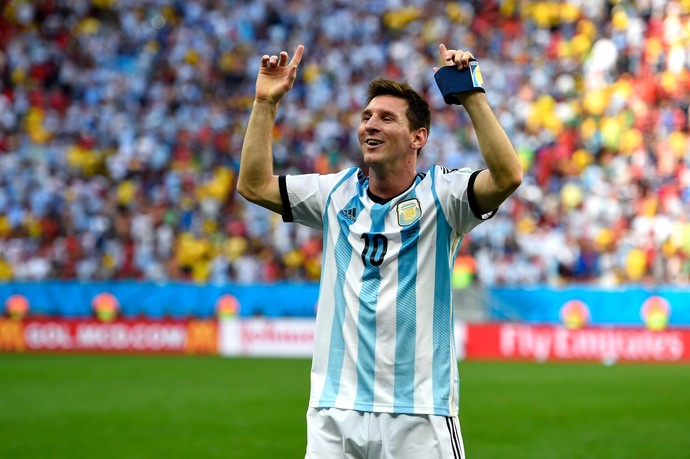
(297, 57)
(444, 52)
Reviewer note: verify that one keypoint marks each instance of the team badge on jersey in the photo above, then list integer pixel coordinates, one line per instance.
(408, 212)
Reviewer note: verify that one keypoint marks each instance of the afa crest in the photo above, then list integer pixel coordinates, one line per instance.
(408, 212)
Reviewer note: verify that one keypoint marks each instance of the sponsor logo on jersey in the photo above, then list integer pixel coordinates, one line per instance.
(408, 212)
(350, 214)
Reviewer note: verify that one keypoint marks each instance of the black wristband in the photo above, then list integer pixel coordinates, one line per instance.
(452, 81)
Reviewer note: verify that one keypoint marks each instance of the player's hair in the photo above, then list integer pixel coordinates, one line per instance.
(418, 112)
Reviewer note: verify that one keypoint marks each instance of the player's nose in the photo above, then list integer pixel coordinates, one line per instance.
(372, 125)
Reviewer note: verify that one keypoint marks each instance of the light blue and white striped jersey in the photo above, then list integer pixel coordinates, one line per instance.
(384, 329)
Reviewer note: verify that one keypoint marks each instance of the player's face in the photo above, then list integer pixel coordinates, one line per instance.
(384, 131)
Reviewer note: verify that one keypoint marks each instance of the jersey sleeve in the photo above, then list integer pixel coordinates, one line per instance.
(304, 197)
(454, 188)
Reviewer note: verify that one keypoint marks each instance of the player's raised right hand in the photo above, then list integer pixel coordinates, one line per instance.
(276, 75)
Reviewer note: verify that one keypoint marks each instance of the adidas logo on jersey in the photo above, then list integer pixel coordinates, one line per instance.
(350, 214)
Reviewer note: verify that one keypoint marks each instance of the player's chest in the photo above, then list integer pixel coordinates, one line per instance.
(382, 231)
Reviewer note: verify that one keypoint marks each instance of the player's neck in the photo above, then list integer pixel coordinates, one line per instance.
(387, 186)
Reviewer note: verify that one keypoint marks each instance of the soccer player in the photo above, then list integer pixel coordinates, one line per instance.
(384, 378)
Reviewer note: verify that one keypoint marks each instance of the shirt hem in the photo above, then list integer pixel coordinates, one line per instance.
(433, 411)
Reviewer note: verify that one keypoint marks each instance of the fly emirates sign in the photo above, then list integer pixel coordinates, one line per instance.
(510, 341)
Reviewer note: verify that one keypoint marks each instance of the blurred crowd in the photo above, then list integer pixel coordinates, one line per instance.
(121, 126)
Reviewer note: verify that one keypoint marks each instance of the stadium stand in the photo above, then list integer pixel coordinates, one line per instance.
(121, 124)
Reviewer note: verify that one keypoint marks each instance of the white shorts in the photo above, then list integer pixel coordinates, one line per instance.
(334, 433)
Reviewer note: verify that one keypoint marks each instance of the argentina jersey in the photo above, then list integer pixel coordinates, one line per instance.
(384, 337)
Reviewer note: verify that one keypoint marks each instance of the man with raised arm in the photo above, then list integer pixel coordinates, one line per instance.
(384, 378)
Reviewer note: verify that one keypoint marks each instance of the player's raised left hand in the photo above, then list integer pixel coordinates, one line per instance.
(454, 57)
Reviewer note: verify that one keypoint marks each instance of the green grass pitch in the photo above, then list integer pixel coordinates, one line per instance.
(135, 406)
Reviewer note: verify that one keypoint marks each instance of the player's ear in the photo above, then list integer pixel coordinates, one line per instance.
(419, 138)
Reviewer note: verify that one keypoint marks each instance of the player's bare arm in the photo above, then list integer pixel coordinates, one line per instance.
(257, 182)
(504, 174)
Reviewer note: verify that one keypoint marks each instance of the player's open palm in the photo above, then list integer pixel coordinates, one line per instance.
(276, 75)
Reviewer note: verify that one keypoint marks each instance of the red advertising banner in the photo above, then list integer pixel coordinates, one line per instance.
(138, 336)
(606, 344)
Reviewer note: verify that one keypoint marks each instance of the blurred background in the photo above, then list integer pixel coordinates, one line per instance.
(121, 126)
